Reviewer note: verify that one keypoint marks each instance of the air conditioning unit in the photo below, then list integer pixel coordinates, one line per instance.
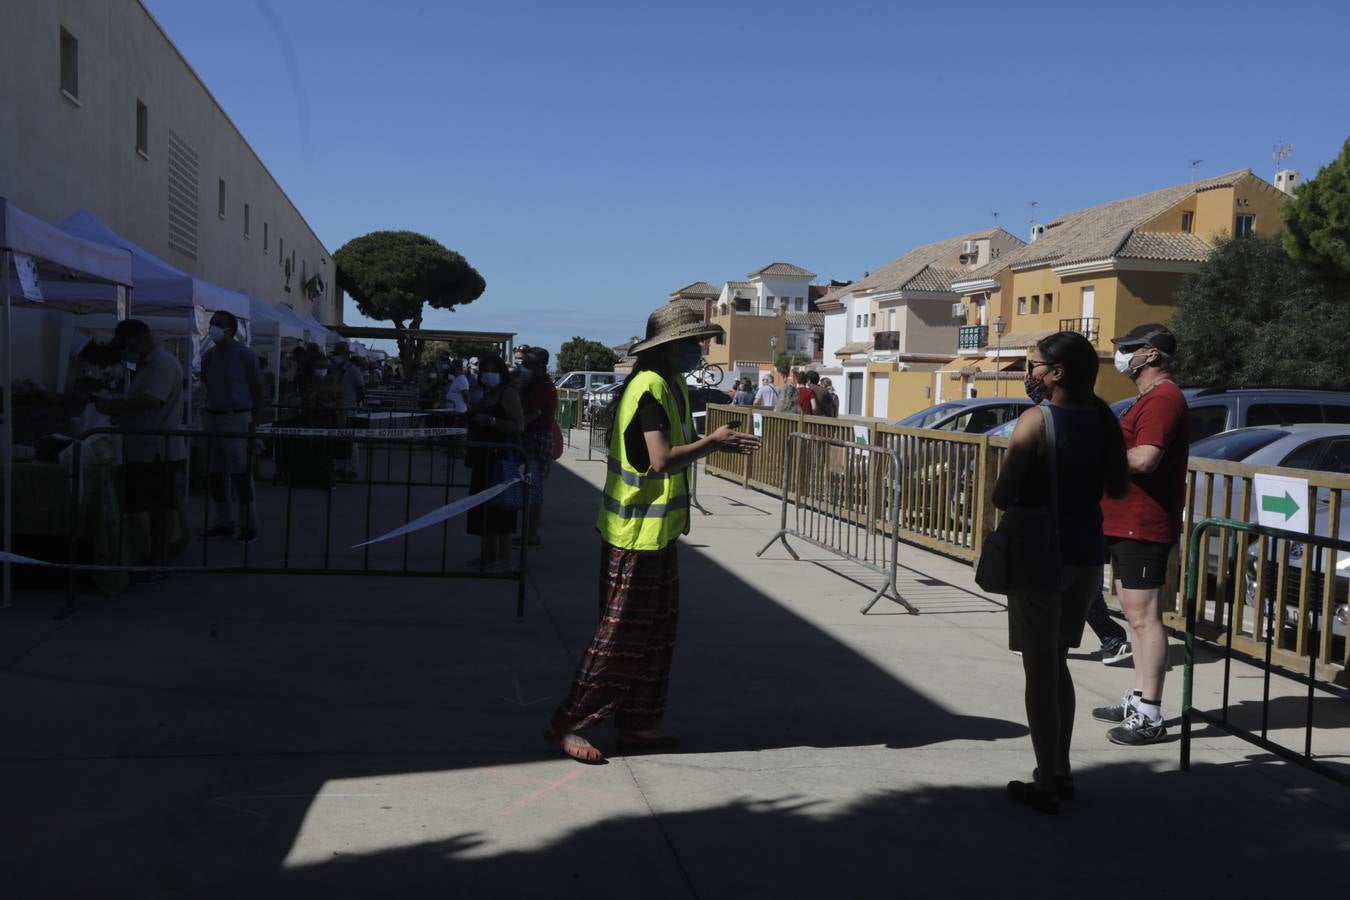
(970, 248)
(958, 310)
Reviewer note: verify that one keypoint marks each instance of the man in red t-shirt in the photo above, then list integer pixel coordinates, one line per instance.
(1143, 527)
(806, 396)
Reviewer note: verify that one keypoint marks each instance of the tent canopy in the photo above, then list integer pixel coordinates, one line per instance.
(55, 249)
(159, 287)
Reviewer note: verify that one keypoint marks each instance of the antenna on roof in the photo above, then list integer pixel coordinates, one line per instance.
(1280, 153)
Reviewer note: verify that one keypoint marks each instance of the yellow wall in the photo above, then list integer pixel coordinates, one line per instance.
(909, 393)
(747, 339)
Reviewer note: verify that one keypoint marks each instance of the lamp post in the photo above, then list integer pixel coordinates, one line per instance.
(999, 326)
(773, 353)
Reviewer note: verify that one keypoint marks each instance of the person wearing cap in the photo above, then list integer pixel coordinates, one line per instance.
(234, 394)
(644, 510)
(1142, 527)
(154, 402)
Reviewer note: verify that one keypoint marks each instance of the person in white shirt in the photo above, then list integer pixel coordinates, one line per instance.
(767, 396)
(457, 393)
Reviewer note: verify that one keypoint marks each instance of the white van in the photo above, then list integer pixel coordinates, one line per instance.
(584, 381)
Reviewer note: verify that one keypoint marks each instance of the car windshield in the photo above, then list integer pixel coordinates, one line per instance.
(927, 417)
(1235, 446)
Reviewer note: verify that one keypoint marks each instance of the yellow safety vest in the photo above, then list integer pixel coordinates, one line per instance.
(643, 510)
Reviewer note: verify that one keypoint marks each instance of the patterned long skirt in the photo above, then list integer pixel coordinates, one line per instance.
(626, 670)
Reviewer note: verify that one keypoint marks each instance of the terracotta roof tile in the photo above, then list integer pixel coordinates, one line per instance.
(699, 289)
(1183, 247)
(908, 271)
(781, 269)
(855, 347)
(813, 319)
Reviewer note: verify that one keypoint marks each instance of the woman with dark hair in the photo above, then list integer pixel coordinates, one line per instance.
(645, 508)
(496, 419)
(1087, 459)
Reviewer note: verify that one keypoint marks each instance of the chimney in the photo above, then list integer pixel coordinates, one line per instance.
(1286, 180)
(1036, 231)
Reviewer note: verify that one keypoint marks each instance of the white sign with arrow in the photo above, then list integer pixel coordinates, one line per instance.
(1281, 502)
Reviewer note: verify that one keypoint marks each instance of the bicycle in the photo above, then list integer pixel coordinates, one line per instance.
(708, 374)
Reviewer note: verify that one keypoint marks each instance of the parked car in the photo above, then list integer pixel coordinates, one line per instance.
(974, 416)
(1317, 448)
(1006, 429)
(585, 381)
(1215, 410)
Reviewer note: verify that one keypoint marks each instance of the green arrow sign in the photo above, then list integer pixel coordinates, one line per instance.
(1286, 506)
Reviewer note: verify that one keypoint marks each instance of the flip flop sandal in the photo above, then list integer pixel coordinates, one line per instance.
(578, 755)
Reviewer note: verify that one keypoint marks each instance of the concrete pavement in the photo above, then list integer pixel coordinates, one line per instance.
(237, 736)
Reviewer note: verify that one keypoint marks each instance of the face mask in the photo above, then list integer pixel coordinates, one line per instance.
(1123, 363)
(686, 358)
(130, 358)
(491, 379)
(217, 334)
(322, 373)
(1035, 387)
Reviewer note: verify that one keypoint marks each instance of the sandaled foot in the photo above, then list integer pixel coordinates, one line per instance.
(577, 747)
(647, 740)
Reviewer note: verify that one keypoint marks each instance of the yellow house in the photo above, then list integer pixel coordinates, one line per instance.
(1099, 272)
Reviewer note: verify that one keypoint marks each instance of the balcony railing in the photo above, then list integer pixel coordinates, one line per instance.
(973, 337)
(1088, 328)
(886, 341)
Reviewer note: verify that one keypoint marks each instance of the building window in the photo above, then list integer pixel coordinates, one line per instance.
(1035, 304)
(1244, 225)
(264, 237)
(246, 211)
(801, 304)
(142, 129)
(1021, 306)
(220, 197)
(768, 302)
(1049, 303)
(1187, 221)
(70, 65)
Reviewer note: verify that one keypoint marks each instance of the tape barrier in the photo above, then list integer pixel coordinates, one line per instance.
(364, 432)
(436, 516)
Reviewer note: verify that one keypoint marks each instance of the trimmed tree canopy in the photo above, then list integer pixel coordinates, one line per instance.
(582, 355)
(393, 275)
(1253, 316)
(1318, 219)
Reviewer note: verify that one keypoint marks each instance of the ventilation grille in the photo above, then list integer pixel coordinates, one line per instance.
(182, 196)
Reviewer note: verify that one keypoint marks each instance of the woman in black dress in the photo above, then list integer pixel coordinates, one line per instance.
(496, 419)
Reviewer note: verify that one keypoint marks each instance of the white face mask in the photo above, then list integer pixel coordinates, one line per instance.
(491, 379)
(1123, 363)
(322, 373)
(217, 334)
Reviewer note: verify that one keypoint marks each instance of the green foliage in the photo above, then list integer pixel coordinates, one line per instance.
(582, 355)
(786, 362)
(394, 275)
(1253, 316)
(1318, 221)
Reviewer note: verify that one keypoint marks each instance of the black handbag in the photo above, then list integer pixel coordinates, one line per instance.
(1013, 558)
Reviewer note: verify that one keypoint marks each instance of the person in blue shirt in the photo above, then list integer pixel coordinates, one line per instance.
(234, 396)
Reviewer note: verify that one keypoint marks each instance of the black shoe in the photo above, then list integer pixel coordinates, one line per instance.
(221, 531)
(1063, 784)
(247, 536)
(1037, 798)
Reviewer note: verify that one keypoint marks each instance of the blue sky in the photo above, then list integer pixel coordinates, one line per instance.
(589, 158)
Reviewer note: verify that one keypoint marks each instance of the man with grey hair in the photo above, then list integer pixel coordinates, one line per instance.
(767, 396)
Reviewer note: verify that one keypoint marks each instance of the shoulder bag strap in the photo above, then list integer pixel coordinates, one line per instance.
(1052, 456)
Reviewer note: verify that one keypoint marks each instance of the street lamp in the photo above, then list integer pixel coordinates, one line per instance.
(999, 326)
(773, 351)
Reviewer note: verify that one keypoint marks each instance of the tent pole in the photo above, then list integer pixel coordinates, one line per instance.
(8, 459)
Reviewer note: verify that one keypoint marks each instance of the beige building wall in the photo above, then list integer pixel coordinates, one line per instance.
(60, 153)
(747, 339)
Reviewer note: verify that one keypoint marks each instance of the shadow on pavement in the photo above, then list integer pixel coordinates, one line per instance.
(173, 741)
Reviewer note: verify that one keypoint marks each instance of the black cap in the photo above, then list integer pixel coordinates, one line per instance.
(1150, 335)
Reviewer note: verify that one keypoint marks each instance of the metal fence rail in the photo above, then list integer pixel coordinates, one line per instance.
(1319, 552)
(835, 489)
(312, 524)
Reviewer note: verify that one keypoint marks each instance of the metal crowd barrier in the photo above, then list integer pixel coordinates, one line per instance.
(836, 489)
(1318, 554)
(311, 524)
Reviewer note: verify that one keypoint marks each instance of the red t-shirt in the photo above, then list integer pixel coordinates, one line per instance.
(1152, 510)
(806, 397)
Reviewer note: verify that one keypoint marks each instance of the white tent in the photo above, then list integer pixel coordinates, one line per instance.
(271, 325)
(59, 260)
(318, 333)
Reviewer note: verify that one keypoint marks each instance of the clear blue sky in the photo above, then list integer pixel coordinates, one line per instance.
(589, 158)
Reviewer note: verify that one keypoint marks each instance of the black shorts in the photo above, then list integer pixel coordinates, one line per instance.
(1139, 565)
(152, 485)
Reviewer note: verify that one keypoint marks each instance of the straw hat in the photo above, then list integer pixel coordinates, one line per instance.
(675, 322)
